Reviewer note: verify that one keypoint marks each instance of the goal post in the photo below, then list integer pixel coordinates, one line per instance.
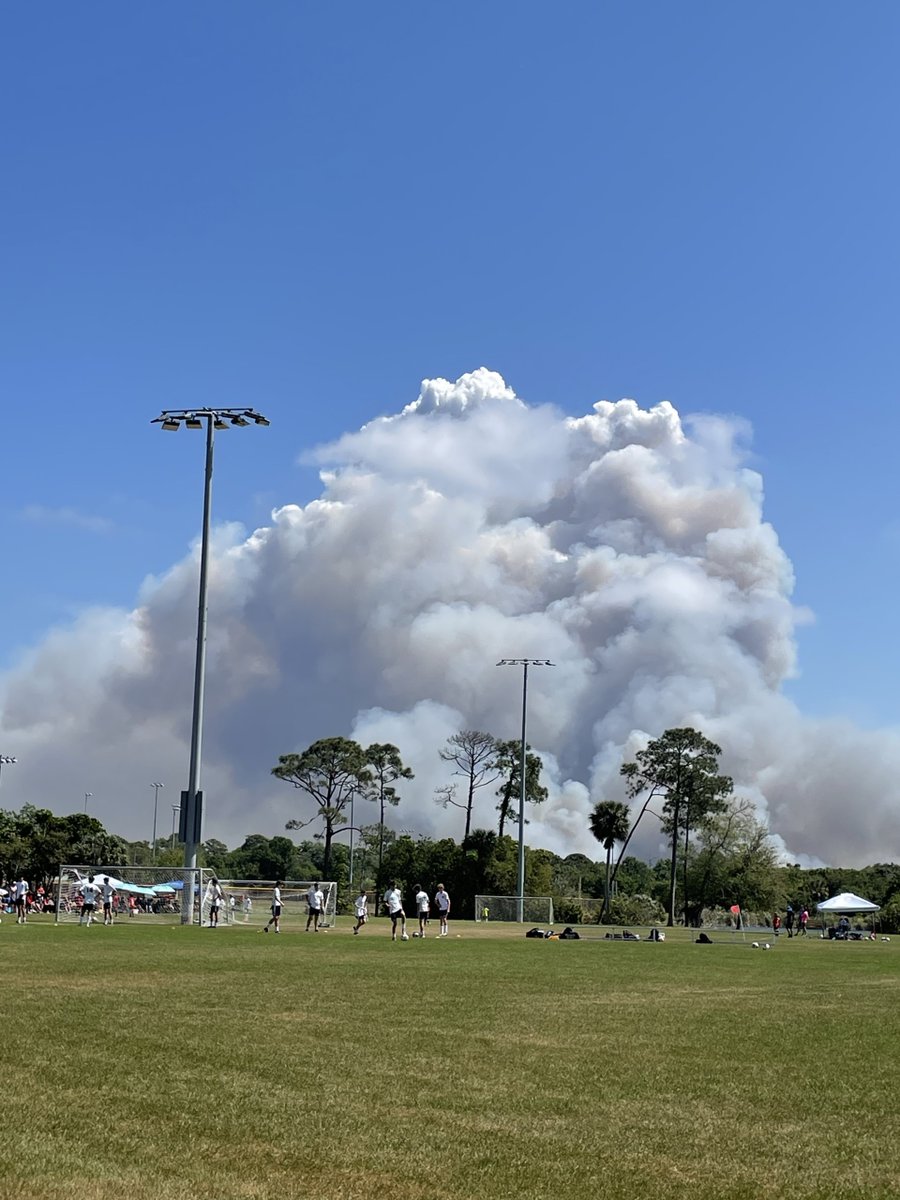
(148, 895)
(535, 909)
(156, 896)
(248, 902)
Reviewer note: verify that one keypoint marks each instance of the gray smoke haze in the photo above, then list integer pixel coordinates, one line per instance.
(626, 545)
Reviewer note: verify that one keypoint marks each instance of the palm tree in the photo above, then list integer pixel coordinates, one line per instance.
(609, 822)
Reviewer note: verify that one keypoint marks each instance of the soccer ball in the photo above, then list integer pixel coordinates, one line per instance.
(767, 946)
(404, 937)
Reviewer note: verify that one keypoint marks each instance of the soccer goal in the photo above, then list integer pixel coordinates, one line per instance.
(535, 909)
(248, 902)
(144, 895)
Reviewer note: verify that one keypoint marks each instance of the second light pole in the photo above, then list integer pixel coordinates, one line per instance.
(192, 800)
(525, 663)
(156, 787)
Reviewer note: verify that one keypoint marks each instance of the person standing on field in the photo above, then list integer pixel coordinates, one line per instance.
(89, 893)
(789, 921)
(423, 908)
(362, 910)
(109, 894)
(21, 895)
(776, 924)
(275, 918)
(216, 899)
(804, 921)
(316, 902)
(442, 904)
(394, 901)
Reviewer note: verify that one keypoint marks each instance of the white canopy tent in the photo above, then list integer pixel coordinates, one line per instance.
(845, 904)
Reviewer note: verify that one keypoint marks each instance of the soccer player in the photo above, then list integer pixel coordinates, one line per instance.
(423, 908)
(216, 899)
(394, 901)
(248, 907)
(89, 893)
(21, 895)
(108, 892)
(442, 904)
(316, 902)
(362, 911)
(275, 918)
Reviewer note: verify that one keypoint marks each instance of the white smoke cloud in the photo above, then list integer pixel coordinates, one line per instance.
(626, 545)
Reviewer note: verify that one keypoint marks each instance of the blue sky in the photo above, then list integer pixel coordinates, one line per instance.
(309, 208)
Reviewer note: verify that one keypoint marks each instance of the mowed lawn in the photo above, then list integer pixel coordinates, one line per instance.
(166, 1063)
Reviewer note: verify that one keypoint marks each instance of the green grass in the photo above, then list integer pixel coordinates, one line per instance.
(191, 1063)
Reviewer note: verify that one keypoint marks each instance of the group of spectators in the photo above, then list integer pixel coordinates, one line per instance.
(21, 899)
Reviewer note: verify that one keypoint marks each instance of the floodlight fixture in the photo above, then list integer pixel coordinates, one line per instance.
(193, 423)
(170, 423)
(525, 663)
(239, 420)
(259, 418)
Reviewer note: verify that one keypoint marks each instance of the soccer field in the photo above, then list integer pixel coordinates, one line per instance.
(169, 1062)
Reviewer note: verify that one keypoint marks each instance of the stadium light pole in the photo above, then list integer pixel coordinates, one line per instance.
(524, 663)
(156, 787)
(7, 760)
(176, 809)
(171, 420)
(87, 796)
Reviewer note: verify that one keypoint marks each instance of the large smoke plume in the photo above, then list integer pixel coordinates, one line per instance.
(627, 546)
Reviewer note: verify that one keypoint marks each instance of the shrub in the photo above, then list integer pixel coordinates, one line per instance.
(636, 910)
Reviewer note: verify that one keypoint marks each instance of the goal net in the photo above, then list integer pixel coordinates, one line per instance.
(248, 902)
(535, 909)
(146, 895)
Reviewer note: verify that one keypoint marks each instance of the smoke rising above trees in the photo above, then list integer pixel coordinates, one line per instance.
(628, 545)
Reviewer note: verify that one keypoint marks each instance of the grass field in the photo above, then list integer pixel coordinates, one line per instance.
(176, 1062)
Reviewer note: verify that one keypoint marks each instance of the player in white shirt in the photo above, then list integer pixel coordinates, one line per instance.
(21, 895)
(394, 901)
(423, 908)
(275, 918)
(248, 907)
(316, 902)
(216, 900)
(442, 904)
(108, 893)
(89, 893)
(362, 911)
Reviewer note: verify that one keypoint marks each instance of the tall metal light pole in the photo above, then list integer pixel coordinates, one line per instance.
(525, 663)
(176, 809)
(156, 787)
(7, 760)
(192, 800)
(87, 796)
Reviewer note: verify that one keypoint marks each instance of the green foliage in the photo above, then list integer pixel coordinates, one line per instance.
(636, 910)
(34, 841)
(610, 821)
(331, 772)
(681, 767)
(508, 761)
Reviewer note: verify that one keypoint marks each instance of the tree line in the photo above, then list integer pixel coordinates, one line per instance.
(719, 854)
